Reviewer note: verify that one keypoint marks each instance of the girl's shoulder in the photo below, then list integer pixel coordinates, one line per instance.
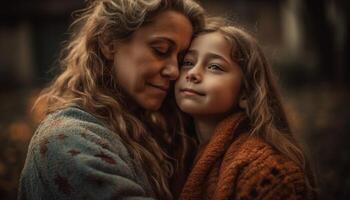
(257, 153)
(263, 171)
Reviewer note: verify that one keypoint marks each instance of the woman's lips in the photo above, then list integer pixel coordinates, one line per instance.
(161, 87)
(189, 91)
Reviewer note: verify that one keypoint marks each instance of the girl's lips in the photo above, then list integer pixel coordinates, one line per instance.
(191, 92)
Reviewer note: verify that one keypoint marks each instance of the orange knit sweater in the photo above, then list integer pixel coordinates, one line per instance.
(234, 165)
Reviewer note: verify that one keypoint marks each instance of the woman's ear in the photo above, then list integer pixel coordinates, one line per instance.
(242, 101)
(108, 47)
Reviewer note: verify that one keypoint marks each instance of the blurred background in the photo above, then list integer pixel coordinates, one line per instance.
(308, 43)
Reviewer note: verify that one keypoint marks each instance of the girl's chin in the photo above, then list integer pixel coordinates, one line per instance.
(191, 111)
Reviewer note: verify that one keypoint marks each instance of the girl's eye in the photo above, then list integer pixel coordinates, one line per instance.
(186, 63)
(215, 67)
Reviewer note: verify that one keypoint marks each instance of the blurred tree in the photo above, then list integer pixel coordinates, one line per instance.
(325, 22)
(321, 36)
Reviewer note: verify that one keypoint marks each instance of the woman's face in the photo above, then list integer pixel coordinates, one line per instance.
(146, 64)
(209, 82)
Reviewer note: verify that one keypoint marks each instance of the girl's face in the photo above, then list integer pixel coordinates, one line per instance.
(147, 63)
(209, 82)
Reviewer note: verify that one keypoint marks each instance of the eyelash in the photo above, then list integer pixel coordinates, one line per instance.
(186, 63)
(160, 53)
(216, 66)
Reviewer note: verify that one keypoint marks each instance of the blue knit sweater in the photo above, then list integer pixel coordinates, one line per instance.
(73, 156)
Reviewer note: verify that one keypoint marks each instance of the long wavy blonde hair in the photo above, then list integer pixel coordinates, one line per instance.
(87, 81)
(263, 104)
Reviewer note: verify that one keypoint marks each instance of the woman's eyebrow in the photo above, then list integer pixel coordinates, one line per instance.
(172, 43)
(162, 39)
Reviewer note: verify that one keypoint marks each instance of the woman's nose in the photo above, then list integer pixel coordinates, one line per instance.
(171, 70)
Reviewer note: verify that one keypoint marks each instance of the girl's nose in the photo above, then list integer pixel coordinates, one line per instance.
(193, 75)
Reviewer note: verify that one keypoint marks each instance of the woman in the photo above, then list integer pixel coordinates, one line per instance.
(247, 150)
(105, 134)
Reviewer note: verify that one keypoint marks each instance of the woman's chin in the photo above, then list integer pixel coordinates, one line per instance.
(151, 105)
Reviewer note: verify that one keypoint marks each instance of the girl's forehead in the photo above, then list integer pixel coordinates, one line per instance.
(214, 42)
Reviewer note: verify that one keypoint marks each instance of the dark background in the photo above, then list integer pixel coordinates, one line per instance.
(308, 43)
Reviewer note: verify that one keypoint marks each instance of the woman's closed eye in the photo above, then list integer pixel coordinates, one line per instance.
(160, 50)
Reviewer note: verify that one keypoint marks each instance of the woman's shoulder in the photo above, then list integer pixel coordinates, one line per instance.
(69, 119)
(73, 126)
(72, 150)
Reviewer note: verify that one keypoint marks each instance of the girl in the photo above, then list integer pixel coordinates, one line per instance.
(247, 150)
(106, 134)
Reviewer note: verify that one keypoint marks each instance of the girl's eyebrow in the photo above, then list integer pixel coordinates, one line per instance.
(217, 56)
(191, 52)
(209, 55)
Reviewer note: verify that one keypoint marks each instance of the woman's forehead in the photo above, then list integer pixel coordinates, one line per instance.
(169, 24)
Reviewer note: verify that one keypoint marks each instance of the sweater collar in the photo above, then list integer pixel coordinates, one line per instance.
(222, 138)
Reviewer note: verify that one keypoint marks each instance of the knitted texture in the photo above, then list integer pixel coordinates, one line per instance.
(73, 155)
(234, 165)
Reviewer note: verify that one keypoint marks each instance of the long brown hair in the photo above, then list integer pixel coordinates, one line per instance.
(263, 104)
(87, 80)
